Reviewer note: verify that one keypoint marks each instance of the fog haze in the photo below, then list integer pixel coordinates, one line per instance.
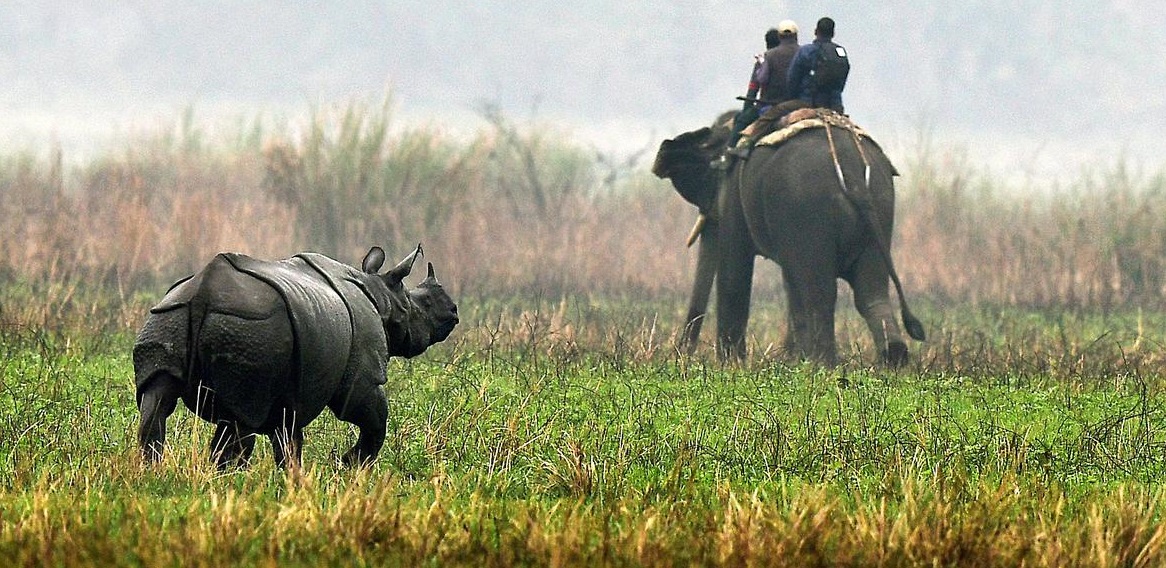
(1031, 87)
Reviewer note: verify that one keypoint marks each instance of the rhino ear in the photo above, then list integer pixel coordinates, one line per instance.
(403, 268)
(373, 260)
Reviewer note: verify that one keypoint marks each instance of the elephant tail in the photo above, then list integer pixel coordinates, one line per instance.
(913, 325)
(866, 213)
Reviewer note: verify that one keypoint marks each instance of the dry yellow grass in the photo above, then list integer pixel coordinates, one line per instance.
(522, 211)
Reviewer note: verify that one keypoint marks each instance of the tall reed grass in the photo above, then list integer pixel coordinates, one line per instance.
(521, 208)
(1099, 242)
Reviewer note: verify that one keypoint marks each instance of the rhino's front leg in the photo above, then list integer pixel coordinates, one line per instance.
(232, 445)
(368, 409)
(156, 402)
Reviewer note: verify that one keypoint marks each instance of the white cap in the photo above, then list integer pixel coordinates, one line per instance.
(787, 27)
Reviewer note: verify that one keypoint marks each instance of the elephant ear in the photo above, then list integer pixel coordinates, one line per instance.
(686, 161)
(403, 268)
(680, 151)
(694, 137)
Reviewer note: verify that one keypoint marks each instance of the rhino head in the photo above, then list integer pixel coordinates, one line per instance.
(413, 319)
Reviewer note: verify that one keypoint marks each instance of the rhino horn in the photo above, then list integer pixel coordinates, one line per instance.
(431, 276)
(373, 260)
(403, 268)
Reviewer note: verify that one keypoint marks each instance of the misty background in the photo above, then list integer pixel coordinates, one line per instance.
(1034, 91)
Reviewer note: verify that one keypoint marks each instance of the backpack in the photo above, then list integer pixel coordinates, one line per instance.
(831, 68)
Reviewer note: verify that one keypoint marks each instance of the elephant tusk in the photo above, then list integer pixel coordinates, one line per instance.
(696, 229)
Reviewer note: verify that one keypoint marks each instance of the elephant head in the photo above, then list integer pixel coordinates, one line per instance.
(687, 159)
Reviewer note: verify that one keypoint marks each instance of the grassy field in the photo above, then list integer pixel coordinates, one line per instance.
(559, 425)
(576, 434)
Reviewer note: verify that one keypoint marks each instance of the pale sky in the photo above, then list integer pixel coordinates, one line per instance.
(1030, 86)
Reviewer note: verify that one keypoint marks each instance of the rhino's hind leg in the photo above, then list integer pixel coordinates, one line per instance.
(287, 444)
(156, 402)
(232, 445)
(368, 409)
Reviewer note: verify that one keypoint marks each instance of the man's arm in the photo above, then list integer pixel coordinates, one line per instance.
(760, 72)
(754, 83)
(799, 70)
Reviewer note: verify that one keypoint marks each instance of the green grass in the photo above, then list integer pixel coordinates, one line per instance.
(577, 435)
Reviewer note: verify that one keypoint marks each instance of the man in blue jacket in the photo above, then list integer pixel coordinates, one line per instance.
(818, 72)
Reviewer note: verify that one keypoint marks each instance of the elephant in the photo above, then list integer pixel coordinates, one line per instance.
(820, 204)
(262, 347)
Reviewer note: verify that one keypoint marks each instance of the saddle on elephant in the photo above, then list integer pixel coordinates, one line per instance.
(808, 118)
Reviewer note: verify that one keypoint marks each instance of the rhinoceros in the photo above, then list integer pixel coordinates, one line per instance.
(261, 347)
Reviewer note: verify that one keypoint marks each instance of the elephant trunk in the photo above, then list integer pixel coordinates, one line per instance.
(706, 270)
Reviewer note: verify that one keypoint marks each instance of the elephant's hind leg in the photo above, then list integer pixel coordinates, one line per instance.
(813, 292)
(368, 409)
(896, 355)
(869, 280)
(232, 445)
(156, 402)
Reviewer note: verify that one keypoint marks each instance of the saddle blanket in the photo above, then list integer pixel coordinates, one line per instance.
(807, 118)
